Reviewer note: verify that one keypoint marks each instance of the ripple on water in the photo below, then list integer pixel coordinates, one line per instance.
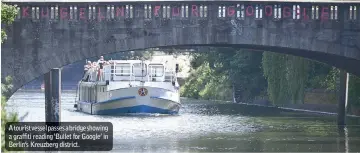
(193, 120)
(199, 127)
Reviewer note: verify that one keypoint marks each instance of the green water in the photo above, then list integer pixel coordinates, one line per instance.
(209, 127)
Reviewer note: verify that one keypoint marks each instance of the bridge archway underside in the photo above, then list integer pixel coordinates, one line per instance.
(36, 42)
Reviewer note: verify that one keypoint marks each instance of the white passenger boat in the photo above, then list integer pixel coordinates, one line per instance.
(129, 86)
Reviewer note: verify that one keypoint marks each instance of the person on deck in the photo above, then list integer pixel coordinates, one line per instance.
(87, 67)
(101, 63)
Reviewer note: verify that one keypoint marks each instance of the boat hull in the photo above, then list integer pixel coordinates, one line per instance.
(124, 101)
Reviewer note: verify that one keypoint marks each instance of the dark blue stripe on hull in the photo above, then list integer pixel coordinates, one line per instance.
(136, 109)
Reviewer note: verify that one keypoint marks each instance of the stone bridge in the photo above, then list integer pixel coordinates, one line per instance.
(53, 34)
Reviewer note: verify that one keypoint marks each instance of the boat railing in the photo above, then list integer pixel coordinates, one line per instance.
(109, 72)
(169, 76)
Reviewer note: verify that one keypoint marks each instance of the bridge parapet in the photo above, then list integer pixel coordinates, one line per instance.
(56, 12)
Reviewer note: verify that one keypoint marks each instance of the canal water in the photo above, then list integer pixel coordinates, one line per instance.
(204, 126)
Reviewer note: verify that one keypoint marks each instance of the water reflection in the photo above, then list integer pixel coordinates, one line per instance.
(211, 127)
(343, 139)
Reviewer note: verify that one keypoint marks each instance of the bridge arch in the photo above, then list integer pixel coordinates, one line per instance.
(34, 46)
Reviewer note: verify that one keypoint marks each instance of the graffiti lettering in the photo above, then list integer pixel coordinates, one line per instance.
(156, 10)
(249, 13)
(100, 17)
(231, 11)
(286, 12)
(194, 11)
(305, 16)
(237, 29)
(63, 13)
(43, 15)
(25, 12)
(175, 13)
(82, 13)
(268, 10)
(324, 14)
(120, 11)
(248, 10)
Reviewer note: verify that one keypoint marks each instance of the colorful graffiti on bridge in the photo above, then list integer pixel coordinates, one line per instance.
(239, 11)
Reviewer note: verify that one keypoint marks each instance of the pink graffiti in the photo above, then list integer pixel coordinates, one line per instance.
(268, 10)
(100, 16)
(156, 10)
(175, 13)
(120, 11)
(231, 11)
(63, 13)
(194, 11)
(43, 15)
(82, 13)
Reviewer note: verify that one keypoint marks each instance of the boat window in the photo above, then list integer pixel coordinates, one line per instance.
(137, 69)
(156, 70)
(122, 69)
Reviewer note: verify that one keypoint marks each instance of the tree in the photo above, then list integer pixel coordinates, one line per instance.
(216, 73)
(287, 77)
(8, 14)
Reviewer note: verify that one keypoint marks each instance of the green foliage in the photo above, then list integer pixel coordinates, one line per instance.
(287, 77)
(354, 90)
(217, 71)
(8, 14)
(330, 82)
(5, 117)
(284, 78)
(317, 74)
(246, 74)
(197, 81)
(275, 73)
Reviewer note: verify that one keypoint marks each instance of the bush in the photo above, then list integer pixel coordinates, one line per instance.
(5, 117)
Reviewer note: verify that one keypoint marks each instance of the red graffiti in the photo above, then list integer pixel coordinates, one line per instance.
(63, 13)
(268, 10)
(43, 15)
(249, 13)
(177, 12)
(120, 11)
(156, 10)
(82, 13)
(324, 15)
(25, 12)
(231, 10)
(100, 16)
(286, 12)
(194, 11)
(305, 16)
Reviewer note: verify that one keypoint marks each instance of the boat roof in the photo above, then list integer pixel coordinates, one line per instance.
(139, 61)
(99, 1)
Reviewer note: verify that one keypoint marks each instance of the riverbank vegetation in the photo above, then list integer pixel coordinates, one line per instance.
(8, 14)
(254, 76)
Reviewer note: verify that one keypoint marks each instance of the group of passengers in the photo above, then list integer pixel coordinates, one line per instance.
(99, 65)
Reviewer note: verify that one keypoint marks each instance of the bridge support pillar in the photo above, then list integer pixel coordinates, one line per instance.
(52, 81)
(343, 97)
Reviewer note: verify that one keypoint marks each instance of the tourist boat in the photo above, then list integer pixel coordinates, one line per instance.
(129, 86)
